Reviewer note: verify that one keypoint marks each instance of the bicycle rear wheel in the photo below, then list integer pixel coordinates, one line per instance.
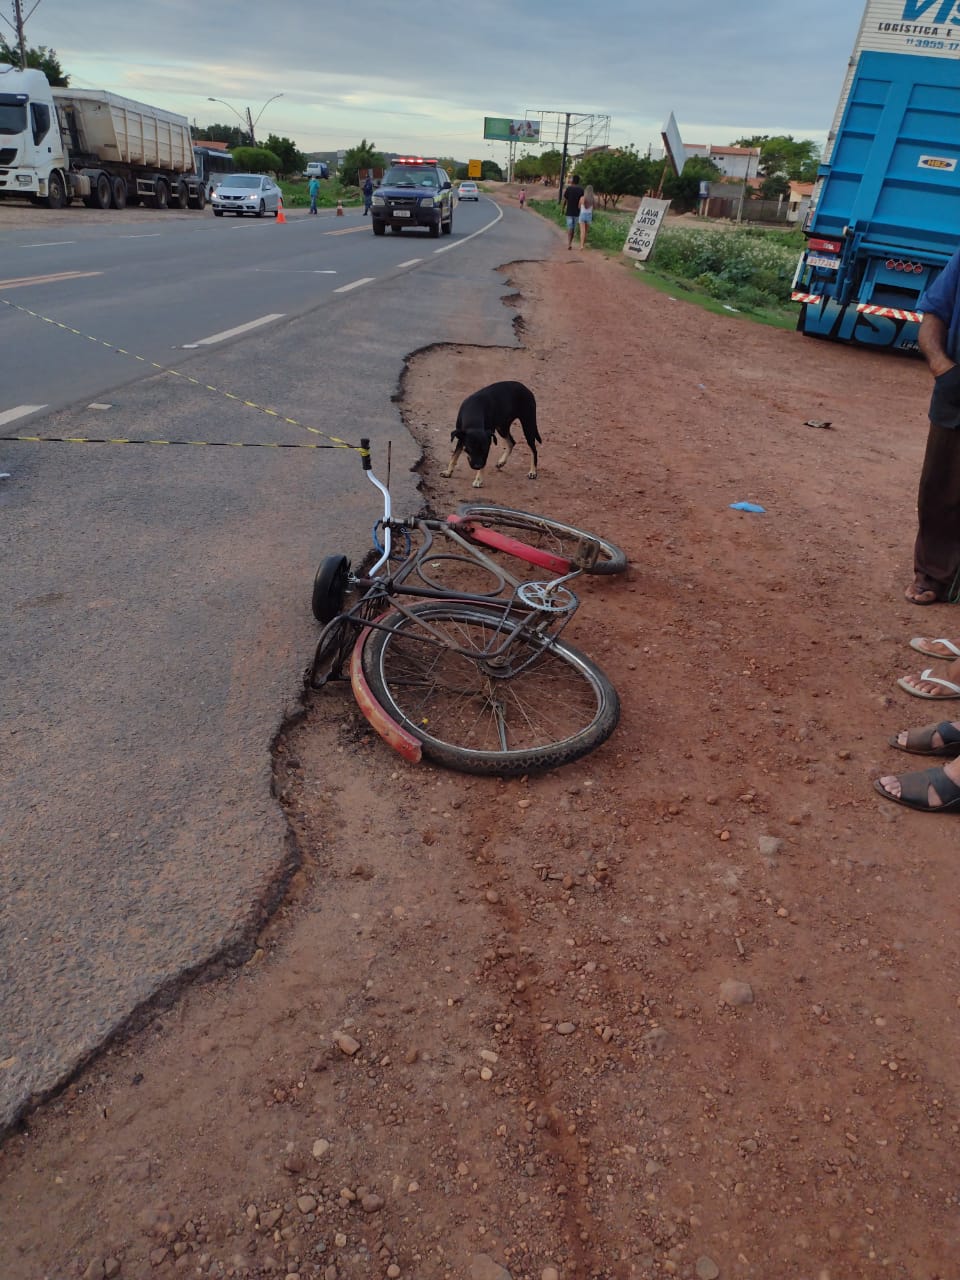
(469, 717)
(549, 535)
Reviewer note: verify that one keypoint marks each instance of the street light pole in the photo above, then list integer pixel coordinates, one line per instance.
(248, 120)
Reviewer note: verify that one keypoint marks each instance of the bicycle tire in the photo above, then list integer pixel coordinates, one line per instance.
(559, 708)
(551, 535)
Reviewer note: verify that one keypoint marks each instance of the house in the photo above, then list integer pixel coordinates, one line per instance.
(799, 198)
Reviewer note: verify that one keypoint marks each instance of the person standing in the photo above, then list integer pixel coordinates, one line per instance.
(523, 196)
(585, 214)
(936, 557)
(571, 206)
(367, 195)
(313, 189)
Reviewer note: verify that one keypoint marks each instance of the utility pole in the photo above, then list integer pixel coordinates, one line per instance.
(253, 141)
(563, 158)
(21, 38)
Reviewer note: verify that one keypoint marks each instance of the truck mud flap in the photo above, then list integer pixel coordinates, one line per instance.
(826, 318)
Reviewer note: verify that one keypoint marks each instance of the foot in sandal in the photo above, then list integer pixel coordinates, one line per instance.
(931, 740)
(941, 648)
(928, 791)
(944, 683)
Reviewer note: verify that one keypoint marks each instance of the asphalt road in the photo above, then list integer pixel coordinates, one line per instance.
(157, 619)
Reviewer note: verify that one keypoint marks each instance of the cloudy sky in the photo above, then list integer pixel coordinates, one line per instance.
(421, 76)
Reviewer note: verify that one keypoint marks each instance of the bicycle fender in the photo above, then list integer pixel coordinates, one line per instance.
(393, 733)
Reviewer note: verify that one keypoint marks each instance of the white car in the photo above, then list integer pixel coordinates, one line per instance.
(241, 193)
(468, 191)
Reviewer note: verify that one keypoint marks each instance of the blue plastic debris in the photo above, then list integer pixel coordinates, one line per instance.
(747, 506)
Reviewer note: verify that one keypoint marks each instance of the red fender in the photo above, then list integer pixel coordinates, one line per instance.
(393, 733)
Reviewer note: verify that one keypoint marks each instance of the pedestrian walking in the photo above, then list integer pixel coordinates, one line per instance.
(571, 206)
(936, 557)
(313, 190)
(585, 213)
(523, 196)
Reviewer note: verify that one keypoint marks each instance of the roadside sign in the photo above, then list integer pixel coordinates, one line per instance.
(643, 234)
(474, 168)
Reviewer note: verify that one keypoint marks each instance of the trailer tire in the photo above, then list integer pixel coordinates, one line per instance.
(118, 193)
(56, 192)
(181, 194)
(161, 194)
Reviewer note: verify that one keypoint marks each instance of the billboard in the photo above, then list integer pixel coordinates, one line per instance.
(670, 133)
(503, 129)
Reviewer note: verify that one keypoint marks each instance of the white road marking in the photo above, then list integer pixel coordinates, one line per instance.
(21, 411)
(412, 262)
(24, 281)
(345, 288)
(46, 244)
(457, 243)
(232, 333)
(147, 235)
(96, 405)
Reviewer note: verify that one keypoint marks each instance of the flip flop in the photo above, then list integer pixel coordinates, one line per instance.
(921, 595)
(920, 741)
(914, 787)
(918, 643)
(929, 678)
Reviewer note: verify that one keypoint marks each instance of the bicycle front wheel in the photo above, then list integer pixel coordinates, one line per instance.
(549, 535)
(466, 713)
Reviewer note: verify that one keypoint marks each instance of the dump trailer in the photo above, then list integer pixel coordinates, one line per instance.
(885, 217)
(58, 145)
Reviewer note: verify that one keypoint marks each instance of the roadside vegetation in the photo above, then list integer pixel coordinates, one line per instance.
(747, 269)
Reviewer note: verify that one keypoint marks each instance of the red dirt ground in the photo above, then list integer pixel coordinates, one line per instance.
(555, 1076)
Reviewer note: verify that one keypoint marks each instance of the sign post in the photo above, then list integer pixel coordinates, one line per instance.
(643, 233)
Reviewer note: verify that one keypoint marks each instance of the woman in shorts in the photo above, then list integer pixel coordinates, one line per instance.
(586, 213)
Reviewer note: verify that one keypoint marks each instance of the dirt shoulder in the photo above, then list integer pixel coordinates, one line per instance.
(685, 1008)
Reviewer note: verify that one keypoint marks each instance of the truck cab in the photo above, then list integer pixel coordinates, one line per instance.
(30, 144)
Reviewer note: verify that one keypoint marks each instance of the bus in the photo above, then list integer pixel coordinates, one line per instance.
(212, 164)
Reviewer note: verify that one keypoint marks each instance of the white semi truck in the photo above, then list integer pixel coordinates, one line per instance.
(58, 145)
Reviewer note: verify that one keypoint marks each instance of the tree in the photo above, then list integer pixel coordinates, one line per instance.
(231, 134)
(684, 190)
(550, 162)
(42, 58)
(783, 156)
(363, 156)
(526, 168)
(775, 187)
(256, 160)
(291, 159)
(613, 174)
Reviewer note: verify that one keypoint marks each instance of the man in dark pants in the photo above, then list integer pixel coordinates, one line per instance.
(571, 206)
(936, 558)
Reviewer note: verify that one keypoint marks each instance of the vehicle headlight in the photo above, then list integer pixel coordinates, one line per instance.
(252, 195)
(427, 202)
(379, 200)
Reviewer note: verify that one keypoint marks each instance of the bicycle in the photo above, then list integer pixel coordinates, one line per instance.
(477, 680)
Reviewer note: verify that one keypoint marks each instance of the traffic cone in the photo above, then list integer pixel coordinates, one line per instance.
(280, 213)
(339, 208)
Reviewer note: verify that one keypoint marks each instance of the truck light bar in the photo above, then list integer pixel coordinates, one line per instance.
(829, 246)
(894, 264)
(413, 160)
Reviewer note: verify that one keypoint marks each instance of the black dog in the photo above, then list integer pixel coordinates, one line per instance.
(489, 413)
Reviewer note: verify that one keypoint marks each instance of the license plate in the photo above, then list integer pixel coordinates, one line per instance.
(814, 260)
(401, 213)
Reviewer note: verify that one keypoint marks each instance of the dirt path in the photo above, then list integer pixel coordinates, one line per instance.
(686, 1008)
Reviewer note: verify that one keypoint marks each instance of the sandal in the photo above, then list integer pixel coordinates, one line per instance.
(914, 788)
(920, 741)
(917, 593)
(920, 642)
(927, 677)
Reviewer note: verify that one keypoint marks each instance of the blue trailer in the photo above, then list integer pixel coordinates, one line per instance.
(887, 211)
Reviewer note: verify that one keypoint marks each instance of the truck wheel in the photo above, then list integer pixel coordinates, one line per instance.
(56, 192)
(262, 210)
(182, 195)
(435, 230)
(378, 228)
(118, 193)
(448, 229)
(161, 194)
(102, 192)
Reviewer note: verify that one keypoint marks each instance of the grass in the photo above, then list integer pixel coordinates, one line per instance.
(744, 270)
(296, 195)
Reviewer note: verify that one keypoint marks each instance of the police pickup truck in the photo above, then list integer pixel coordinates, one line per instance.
(414, 193)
